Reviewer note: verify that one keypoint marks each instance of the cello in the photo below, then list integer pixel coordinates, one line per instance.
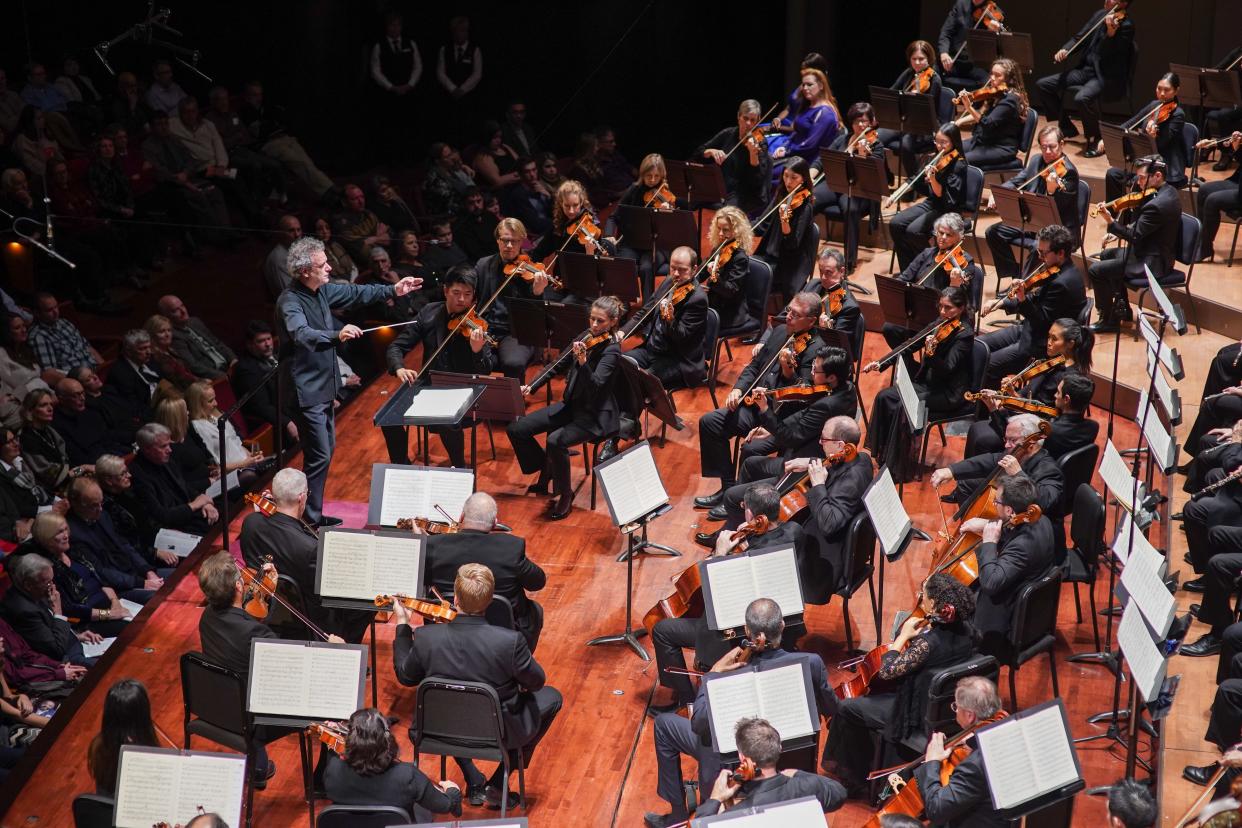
(793, 501)
(979, 506)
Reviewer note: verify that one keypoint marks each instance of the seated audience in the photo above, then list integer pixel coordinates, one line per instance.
(26, 667)
(474, 228)
(164, 94)
(205, 414)
(442, 253)
(518, 133)
(357, 228)
(495, 162)
(126, 721)
(266, 173)
(57, 343)
(272, 138)
(166, 363)
(128, 515)
(92, 528)
(18, 482)
(528, 200)
(85, 431)
(32, 606)
(203, 142)
(129, 106)
(189, 454)
(202, 351)
(193, 198)
(447, 180)
(133, 377)
(20, 371)
(390, 207)
(42, 445)
(32, 145)
(275, 275)
(117, 413)
(162, 489)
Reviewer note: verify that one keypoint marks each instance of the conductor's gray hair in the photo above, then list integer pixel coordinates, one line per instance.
(299, 258)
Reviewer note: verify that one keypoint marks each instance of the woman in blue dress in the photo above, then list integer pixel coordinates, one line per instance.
(815, 126)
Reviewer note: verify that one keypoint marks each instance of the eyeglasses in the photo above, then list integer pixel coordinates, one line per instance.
(953, 706)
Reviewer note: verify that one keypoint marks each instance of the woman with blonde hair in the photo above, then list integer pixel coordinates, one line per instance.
(816, 125)
(649, 191)
(725, 282)
(42, 445)
(998, 119)
(569, 204)
(188, 452)
(168, 364)
(204, 413)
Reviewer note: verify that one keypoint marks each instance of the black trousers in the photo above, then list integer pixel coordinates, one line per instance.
(1051, 90)
(716, 429)
(1221, 578)
(1001, 238)
(564, 430)
(1199, 516)
(1218, 413)
(669, 638)
(1108, 280)
(1009, 350)
(847, 210)
(666, 367)
(910, 230)
(397, 439)
(514, 357)
(754, 470)
(850, 748)
(985, 155)
(1215, 197)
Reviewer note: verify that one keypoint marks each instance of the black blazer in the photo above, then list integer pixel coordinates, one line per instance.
(683, 338)
(947, 373)
(1001, 126)
(1170, 139)
(787, 250)
(833, 507)
(1070, 432)
(953, 31)
(33, 620)
(1108, 57)
(263, 406)
(939, 278)
(430, 327)
(402, 785)
(491, 275)
(1066, 196)
(966, 802)
(1040, 467)
(952, 180)
(728, 293)
(469, 649)
(933, 88)
(781, 788)
(1152, 234)
(589, 390)
(504, 554)
(773, 377)
(225, 637)
(1060, 297)
(1023, 554)
(293, 545)
(796, 427)
(848, 320)
(132, 388)
(165, 495)
(747, 185)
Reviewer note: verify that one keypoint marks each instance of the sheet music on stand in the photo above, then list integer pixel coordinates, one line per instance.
(804, 812)
(631, 483)
(400, 491)
(1029, 759)
(1159, 440)
(915, 408)
(781, 695)
(1121, 484)
(508, 822)
(893, 527)
(1141, 649)
(439, 403)
(1169, 396)
(1172, 312)
(360, 564)
(1143, 577)
(731, 582)
(166, 785)
(1168, 355)
(295, 681)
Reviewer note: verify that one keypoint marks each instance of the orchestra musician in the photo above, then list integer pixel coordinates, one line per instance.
(1218, 583)
(1215, 448)
(788, 244)
(831, 286)
(961, 73)
(965, 799)
(760, 743)
(588, 409)
(650, 191)
(569, 204)
(504, 553)
(513, 356)
(945, 189)
(895, 706)
(675, 735)
(862, 140)
(1152, 241)
(1221, 399)
(670, 635)
(785, 359)
(464, 354)
(1221, 507)
(1063, 187)
(1216, 197)
(1101, 71)
(1071, 427)
(940, 266)
(920, 78)
(1010, 557)
(943, 375)
(1068, 346)
(747, 169)
(1131, 804)
(673, 346)
(998, 121)
(1164, 120)
(726, 282)
(470, 649)
(1222, 122)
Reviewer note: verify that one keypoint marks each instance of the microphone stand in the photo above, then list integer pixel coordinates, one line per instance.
(222, 426)
(32, 240)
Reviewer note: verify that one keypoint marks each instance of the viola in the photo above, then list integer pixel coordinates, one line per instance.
(660, 198)
(921, 83)
(989, 15)
(263, 502)
(861, 143)
(722, 258)
(331, 734)
(526, 270)
(263, 588)
(467, 322)
(1162, 113)
(832, 302)
(1011, 384)
(679, 294)
(793, 497)
(1014, 403)
(1125, 202)
(941, 334)
(988, 93)
(429, 610)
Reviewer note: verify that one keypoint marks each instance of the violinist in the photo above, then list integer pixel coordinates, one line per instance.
(370, 772)
(1060, 182)
(896, 705)
(1216, 197)
(1164, 120)
(1131, 805)
(225, 631)
(998, 120)
(788, 244)
(1067, 348)
(861, 140)
(1012, 555)
(747, 169)
(920, 78)
(943, 375)
(959, 72)
(673, 349)
(675, 735)
(513, 356)
(569, 205)
(504, 553)
(588, 409)
(470, 649)
(1071, 427)
(725, 280)
(964, 798)
(839, 310)
(467, 352)
(1151, 238)
(651, 192)
(785, 359)
(944, 263)
(945, 188)
(759, 743)
(1102, 50)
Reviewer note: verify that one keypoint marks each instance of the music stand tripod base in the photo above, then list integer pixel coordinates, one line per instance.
(633, 547)
(630, 635)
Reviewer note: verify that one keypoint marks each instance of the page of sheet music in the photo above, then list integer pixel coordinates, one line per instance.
(96, 650)
(142, 788)
(1047, 740)
(394, 566)
(632, 484)
(215, 783)
(775, 574)
(1164, 391)
(1009, 767)
(729, 699)
(439, 403)
(410, 493)
(304, 681)
(1143, 579)
(732, 585)
(1147, 664)
(888, 513)
(345, 571)
(1116, 476)
(915, 414)
(783, 701)
(1158, 437)
(800, 813)
(165, 786)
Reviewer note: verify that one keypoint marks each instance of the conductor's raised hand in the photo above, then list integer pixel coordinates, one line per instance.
(349, 332)
(407, 285)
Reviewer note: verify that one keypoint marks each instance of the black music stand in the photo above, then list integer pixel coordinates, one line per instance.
(906, 305)
(589, 277)
(392, 413)
(1124, 147)
(655, 398)
(865, 178)
(501, 401)
(914, 112)
(580, 275)
(528, 322)
(566, 322)
(696, 183)
(1193, 88)
(984, 46)
(1221, 89)
(1028, 211)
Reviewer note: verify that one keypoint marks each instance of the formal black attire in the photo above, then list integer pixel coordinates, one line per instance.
(513, 355)
(1010, 349)
(44, 632)
(1100, 67)
(1170, 143)
(1224, 371)
(966, 802)
(932, 267)
(848, 319)
(101, 538)
(401, 785)
(308, 349)
(431, 327)
(21, 486)
(727, 293)
(782, 788)
(673, 350)
(557, 239)
(117, 412)
(1040, 467)
(165, 495)
(1222, 507)
(1214, 199)
(908, 144)
(505, 555)
(911, 227)
(87, 435)
(135, 384)
(1152, 241)
(847, 209)
(995, 139)
(792, 254)
(959, 21)
(263, 407)
(475, 234)
(1001, 237)
(647, 266)
(1070, 431)
(832, 508)
(747, 185)
(1023, 554)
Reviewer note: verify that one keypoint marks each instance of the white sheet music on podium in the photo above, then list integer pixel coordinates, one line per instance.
(1158, 438)
(1028, 755)
(439, 403)
(732, 582)
(157, 785)
(631, 483)
(1116, 476)
(888, 513)
(361, 564)
(1141, 651)
(916, 409)
(778, 695)
(1166, 393)
(309, 680)
(415, 491)
(1143, 579)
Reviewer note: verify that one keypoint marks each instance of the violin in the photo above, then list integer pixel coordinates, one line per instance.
(263, 502)
(331, 734)
(954, 256)
(722, 258)
(793, 498)
(789, 392)
(920, 84)
(861, 143)
(989, 15)
(679, 294)
(660, 198)
(988, 93)
(832, 303)
(1162, 114)
(588, 341)
(936, 166)
(796, 200)
(263, 588)
(467, 322)
(585, 229)
(1009, 385)
(1014, 403)
(1032, 282)
(429, 610)
(525, 269)
(942, 333)
(428, 526)
(1058, 168)
(1125, 202)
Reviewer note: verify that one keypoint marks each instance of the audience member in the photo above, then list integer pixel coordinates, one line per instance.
(549, 171)
(18, 482)
(618, 173)
(389, 207)
(275, 274)
(343, 269)
(169, 366)
(205, 414)
(240, 144)
(447, 180)
(528, 200)
(357, 228)
(132, 376)
(495, 162)
(85, 432)
(139, 172)
(40, 94)
(25, 667)
(273, 140)
(517, 133)
(189, 455)
(19, 369)
(57, 343)
(77, 215)
(92, 528)
(32, 606)
(474, 230)
(202, 351)
(42, 445)
(162, 489)
(117, 413)
(211, 160)
(195, 200)
(128, 514)
(164, 94)
(442, 254)
(11, 104)
(129, 108)
(114, 199)
(126, 721)
(31, 143)
(254, 367)
(409, 258)
(85, 102)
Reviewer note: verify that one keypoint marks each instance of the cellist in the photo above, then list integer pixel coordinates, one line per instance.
(957, 793)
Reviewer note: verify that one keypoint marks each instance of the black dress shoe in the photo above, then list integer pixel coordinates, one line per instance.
(654, 820)
(539, 487)
(707, 539)
(710, 501)
(492, 799)
(608, 450)
(1176, 516)
(1200, 774)
(1196, 585)
(259, 782)
(718, 513)
(329, 520)
(476, 795)
(1094, 152)
(1207, 645)
(561, 507)
(1222, 163)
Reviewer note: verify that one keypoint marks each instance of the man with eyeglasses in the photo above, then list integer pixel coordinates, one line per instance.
(965, 798)
(934, 267)
(510, 236)
(785, 359)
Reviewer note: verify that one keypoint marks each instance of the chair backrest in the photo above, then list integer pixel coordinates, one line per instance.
(500, 613)
(1076, 468)
(1028, 133)
(980, 353)
(465, 712)
(711, 332)
(1035, 611)
(944, 106)
(1190, 137)
(1188, 240)
(1084, 315)
(362, 816)
(1087, 524)
(859, 554)
(974, 190)
(1084, 208)
(940, 716)
(810, 249)
(279, 617)
(215, 694)
(758, 286)
(93, 811)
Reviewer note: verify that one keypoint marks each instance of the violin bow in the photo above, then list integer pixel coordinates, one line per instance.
(762, 118)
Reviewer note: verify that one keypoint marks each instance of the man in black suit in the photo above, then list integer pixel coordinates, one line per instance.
(92, 528)
(1219, 508)
(132, 376)
(1061, 295)
(471, 354)
(966, 800)
(831, 287)
(255, 363)
(294, 547)
(933, 267)
(86, 432)
(675, 735)
(747, 170)
(772, 366)
(469, 649)
(1071, 427)
(670, 636)
(673, 349)
(501, 552)
(116, 411)
(162, 490)
(961, 73)
(1009, 559)
(760, 743)
(32, 608)
(1102, 70)
(1151, 242)
(510, 234)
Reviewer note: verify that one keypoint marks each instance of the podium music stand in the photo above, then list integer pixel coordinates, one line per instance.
(1026, 211)
(914, 113)
(984, 46)
(696, 183)
(589, 277)
(1123, 147)
(392, 413)
(906, 305)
